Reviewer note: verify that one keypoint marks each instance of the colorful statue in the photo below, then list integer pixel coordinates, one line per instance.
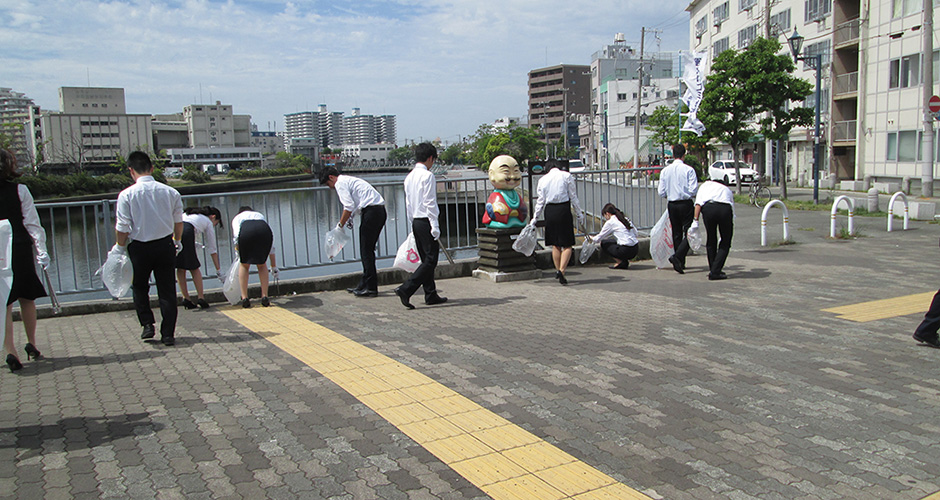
(505, 206)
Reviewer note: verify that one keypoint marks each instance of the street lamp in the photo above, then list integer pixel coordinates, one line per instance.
(796, 43)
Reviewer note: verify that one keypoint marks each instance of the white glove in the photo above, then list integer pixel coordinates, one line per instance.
(218, 273)
(436, 232)
(42, 258)
(340, 227)
(694, 225)
(178, 245)
(275, 272)
(119, 250)
(581, 219)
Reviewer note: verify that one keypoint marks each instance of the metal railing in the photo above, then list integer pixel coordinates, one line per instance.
(80, 234)
(846, 83)
(844, 130)
(846, 32)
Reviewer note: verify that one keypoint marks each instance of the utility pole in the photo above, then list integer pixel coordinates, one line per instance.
(768, 144)
(639, 102)
(926, 168)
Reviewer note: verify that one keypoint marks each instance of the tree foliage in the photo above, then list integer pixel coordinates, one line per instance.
(402, 156)
(522, 143)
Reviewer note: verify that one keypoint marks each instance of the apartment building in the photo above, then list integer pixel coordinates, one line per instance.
(872, 90)
(14, 114)
(555, 94)
(335, 129)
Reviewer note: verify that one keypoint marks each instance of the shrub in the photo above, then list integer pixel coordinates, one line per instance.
(195, 174)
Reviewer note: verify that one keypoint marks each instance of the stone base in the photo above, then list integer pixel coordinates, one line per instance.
(496, 253)
(919, 210)
(851, 185)
(501, 277)
(887, 187)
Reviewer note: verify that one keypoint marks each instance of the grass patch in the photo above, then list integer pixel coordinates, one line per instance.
(782, 243)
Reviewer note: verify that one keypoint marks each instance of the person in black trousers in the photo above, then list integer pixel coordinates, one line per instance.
(715, 203)
(150, 217)
(926, 331)
(359, 197)
(678, 183)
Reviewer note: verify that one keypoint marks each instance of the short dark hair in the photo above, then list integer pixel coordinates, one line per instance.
(8, 166)
(139, 162)
(207, 211)
(425, 151)
(326, 173)
(678, 151)
(244, 208)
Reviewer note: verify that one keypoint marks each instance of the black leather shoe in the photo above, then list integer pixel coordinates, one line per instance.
(353, 290)
(562, 279)
(188, 304)
(716, 277)
(435, 299)
(623, 265)
(404, 299)
(265, 301)
(245, 303)
(202, 304)
(366, 293)
(148, 332)
(677, 265)
(931, 341)
(168, 340)
(558, 275)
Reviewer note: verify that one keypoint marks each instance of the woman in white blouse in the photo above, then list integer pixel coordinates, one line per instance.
(618, 237)
(197, 220)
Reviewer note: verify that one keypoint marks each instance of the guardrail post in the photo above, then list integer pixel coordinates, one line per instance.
(891, 210)
(763, 221)
(835, 208)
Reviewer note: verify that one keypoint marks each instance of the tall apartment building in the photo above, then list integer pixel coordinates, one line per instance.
(92, 129)
(304, 124)
(14, 114)
(335, 129)
(358, 128)
(215, 125)
(617, 93)
(555, 94)
(872, 85)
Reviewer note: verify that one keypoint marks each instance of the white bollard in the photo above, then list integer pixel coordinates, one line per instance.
(835, 208)
(763, 221)
(907, 210)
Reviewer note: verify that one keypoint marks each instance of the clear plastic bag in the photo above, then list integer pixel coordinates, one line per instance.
(588, 248)
(525, 243)
(334, 242)
(117, 273)
(6, 264)
(407, 257)
(661, 242)
(695, 238)
(231, 288)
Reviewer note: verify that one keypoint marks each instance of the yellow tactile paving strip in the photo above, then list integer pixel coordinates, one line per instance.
(883, 309)
(500, 458)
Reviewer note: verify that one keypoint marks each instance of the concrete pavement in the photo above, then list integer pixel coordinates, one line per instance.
(670, 386)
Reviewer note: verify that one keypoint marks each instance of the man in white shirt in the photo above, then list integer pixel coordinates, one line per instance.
(556, 195)
(150, 216)
(359, 197)
(715, 202)
(422, 210)
(677, 183)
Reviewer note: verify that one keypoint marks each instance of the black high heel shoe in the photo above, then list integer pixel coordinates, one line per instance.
(32, 352)
(14, 363)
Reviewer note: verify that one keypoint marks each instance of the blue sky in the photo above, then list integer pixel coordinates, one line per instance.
(443, 67)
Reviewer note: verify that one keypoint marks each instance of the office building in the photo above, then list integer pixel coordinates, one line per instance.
(557, 93)
(14, 114)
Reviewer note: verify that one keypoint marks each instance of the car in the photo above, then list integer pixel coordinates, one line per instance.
(724, 170)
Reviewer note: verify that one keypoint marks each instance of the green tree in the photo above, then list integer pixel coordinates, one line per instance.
(522, 143)
(774, 79)
(454, 154)
(664, 126)
(401, 156)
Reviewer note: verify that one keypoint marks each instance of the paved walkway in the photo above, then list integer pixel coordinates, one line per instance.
(623, 384)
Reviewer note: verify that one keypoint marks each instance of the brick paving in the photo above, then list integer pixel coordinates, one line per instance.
(673, 385)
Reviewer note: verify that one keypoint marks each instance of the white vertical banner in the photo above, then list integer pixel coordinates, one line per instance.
(693, 74)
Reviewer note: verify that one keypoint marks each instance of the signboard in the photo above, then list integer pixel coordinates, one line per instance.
(934, 104)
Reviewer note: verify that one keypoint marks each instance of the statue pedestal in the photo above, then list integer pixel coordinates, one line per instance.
(498, 261)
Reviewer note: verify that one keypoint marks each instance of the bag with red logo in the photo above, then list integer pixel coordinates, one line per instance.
(407, 257)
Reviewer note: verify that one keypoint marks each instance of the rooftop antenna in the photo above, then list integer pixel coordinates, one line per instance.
(200, 92)
(88, 76)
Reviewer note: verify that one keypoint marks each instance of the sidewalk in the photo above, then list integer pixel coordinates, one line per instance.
(669, 385)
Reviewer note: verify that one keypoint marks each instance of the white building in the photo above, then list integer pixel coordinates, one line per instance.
(366, 156)
(215, 125)
(335, 129)
(267, 142)
(14, 114)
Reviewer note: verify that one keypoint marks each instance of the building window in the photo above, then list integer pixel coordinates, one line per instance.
(901, 8)
(904, 146)
(746, 36)
(621, 97)
(667, 72)
(904, 72)
(721, 13)
(720, 46)
(817, 10)
(816, 48)
(701, 26)
(780, 23)
(746, 4)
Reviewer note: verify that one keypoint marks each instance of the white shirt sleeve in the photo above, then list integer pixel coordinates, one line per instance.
(573, 194)
(31, 219)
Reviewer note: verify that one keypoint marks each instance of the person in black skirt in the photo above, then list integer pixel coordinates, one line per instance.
(16, 205)
(254, 242)
(557, 195)
(197, 220)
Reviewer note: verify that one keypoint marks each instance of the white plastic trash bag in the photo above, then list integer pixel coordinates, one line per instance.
(334, 242)
(525, 243)
(231, 288)
(407, 257)
(695, 238)
(117, 273)
(6, 265)
(588, 248)
(661, 242)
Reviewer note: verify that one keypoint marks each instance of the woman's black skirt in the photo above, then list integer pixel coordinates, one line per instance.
(26, 283)
(559, 225)
(254, 242)
(187, 259)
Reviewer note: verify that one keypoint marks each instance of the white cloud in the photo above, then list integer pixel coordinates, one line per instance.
(442, 66)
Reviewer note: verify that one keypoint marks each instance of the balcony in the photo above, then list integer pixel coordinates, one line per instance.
(844, 131)
(846, 86)
(846, 33)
